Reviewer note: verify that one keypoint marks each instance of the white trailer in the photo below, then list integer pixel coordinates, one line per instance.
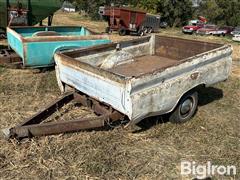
(146, 77)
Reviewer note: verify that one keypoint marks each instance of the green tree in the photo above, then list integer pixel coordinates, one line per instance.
(150, 5)
(92, 6)
(175, 12)
(222, 12)
(211, 10)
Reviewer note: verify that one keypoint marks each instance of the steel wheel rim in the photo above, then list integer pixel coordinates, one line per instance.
(186, 107)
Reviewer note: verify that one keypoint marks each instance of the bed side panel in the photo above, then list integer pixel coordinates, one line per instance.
(176, 48)
(16, 43)
(42, 53)
(158, 94)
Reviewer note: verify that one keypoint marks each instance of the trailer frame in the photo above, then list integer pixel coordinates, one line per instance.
(34, 126)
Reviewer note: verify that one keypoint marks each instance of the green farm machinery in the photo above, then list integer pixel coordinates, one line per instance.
(27, 12)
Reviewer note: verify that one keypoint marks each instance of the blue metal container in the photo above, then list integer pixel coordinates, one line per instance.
(37, 45)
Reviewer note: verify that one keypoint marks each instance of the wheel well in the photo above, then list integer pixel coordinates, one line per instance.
(196, 88)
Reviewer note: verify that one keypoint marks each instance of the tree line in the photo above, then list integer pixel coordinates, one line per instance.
(175, 12)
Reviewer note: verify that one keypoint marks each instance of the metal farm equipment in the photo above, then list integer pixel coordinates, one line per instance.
(130, 81)
(36, 46)
(23, 13)
(126, 20)
(34, 126)
(27, 12)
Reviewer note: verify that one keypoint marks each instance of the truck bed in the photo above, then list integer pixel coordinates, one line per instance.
(37, 45)
(143, 77)
(143, 65)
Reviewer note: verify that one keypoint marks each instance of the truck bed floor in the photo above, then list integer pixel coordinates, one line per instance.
(143, 65)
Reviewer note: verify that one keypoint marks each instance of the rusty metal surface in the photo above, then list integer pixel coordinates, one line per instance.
(49, 110)
(179, 49)
(77, 65)
(73, 58)
(143, 65)
(37, 45)
(75, 53)
(63, 38)
(9, 58)
(36, 27)
(158, 86)
(93, 35)
(32, 127)
(57, 127)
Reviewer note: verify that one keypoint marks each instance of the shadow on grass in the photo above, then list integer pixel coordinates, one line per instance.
(206, 96)
(209, 95)
(3, 47)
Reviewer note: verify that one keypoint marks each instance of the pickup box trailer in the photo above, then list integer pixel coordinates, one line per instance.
(132, 80)
(36, 45)
(146, 77)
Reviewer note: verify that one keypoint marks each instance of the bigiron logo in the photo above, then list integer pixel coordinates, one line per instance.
(202, 171)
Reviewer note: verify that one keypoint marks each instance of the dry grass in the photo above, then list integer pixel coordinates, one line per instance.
(153, 150)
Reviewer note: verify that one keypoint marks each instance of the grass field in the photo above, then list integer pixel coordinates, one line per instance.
(153, 150)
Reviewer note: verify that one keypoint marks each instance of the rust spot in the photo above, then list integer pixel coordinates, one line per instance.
(194, 76)
(143, 65)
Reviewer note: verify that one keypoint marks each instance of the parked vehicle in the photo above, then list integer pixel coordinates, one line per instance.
(145, 77)
(236, 31)
(215, 30)
(126, 20)
(192, 27)
(236, 37)
(207, 29)
(163, 24)
(228, 29)
(37, 45)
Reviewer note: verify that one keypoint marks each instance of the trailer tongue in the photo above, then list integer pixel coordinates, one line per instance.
(34, 126)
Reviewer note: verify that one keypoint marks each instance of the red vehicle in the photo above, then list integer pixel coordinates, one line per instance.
(215, 30)
(126, 20)
(194, 25)
(207, 29)
(228, 29)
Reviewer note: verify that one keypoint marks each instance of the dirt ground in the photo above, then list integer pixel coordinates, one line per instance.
(152, 150)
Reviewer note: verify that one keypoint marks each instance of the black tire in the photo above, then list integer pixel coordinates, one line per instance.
(141, 32)
(191, 33)
(149, 30)
(122, 32)
(3, 33)
(185, 109)
(145, 30)
(3, 36)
